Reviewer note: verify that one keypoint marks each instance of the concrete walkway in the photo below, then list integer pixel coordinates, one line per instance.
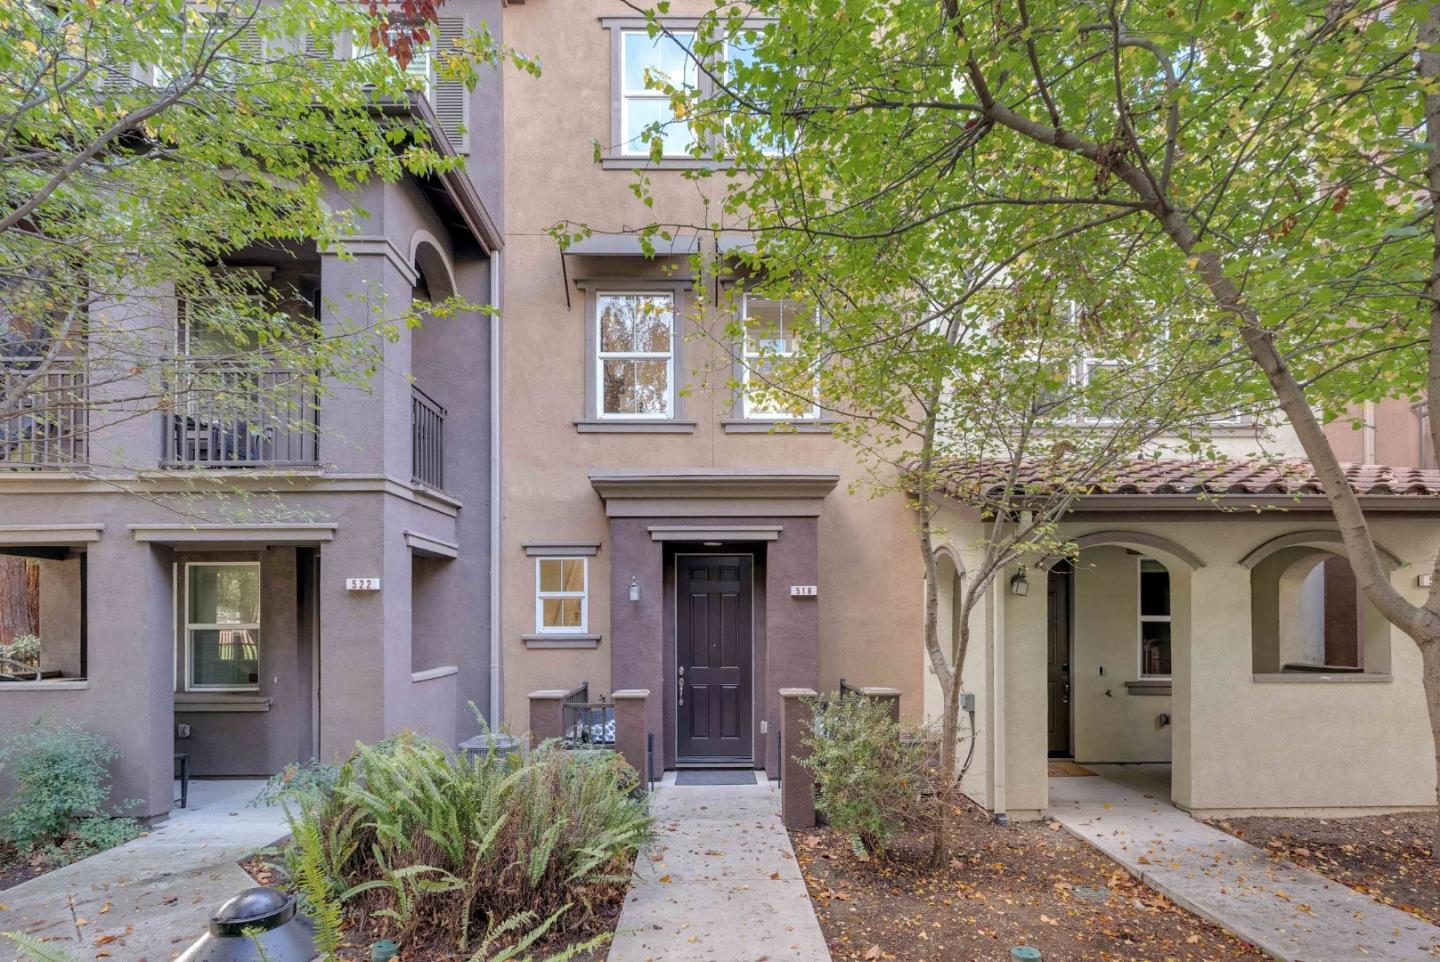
(146, 901)
(1289, 912)
(720, 883)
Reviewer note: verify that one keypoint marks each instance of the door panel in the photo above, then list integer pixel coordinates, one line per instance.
(1057, 593)
(713, 657)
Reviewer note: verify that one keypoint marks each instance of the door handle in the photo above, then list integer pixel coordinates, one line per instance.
(681, 686)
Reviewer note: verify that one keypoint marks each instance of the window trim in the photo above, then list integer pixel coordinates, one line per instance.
(599, 357)
(541, 596)
(626, 148)
(591, 420)
(615, 157)
(1141, 619)
(188, 626)
(743, 412)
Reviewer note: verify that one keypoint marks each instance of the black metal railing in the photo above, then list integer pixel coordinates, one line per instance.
(587, 724)
(427, 439)
(44, 415)
(232, 416)
(849, 691)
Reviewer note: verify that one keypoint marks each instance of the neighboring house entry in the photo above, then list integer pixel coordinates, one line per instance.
(1058, 591)
(714, 656)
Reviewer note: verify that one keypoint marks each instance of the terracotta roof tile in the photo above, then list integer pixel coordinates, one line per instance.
(1175, 476)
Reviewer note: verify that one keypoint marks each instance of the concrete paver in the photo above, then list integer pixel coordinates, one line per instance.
(1289, 912)
(719, 884)
(147, 900)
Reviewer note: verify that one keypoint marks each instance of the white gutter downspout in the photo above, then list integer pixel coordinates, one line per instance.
(495, 374)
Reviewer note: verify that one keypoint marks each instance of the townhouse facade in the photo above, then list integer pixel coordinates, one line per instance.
(248, 594)
(573, 494)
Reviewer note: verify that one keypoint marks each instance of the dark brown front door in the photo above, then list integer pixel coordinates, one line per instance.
(713, 633)
(1058, 676)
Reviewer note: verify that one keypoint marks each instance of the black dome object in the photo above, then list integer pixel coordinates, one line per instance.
(280, 934)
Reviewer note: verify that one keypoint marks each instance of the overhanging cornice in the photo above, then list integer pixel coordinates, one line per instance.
(693, 492)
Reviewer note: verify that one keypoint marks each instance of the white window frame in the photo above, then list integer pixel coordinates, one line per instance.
(601, 356)
(768, 150)
(746, 355)
(1142, 619)
(641, 147)
(541, 596)
(191, 626)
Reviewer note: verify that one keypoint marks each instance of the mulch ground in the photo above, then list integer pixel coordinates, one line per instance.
(13, 872)
(1386, 857)
(1004, 886)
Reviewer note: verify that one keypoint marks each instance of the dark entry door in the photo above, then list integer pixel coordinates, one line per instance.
(713, 653)
(1058, 675)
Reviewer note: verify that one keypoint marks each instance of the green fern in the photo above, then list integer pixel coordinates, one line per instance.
(37, 951)
(317, 888)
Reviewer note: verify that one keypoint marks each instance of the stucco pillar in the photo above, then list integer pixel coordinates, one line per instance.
(1211, 660)
(792, 624)
(797, 785)
(631, 732)
(1026, 788)
(366, 427)
(547, 714)
(636, 638)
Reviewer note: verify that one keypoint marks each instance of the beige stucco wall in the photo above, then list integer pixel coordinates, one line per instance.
(870, 572)
(1109, 725)
(1240, 741)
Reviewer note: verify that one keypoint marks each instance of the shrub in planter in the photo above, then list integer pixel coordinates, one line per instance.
(871, 776)
(444, 851)
(62, 787)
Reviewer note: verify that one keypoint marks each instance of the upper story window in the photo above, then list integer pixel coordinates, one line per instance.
(635, 356)
(648, 65)
(561, 595)
(772, 337)
(1155, 619)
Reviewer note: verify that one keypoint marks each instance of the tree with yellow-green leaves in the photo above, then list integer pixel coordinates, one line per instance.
(1255, 180)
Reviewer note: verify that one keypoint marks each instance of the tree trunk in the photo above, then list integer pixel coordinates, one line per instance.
(19, 599)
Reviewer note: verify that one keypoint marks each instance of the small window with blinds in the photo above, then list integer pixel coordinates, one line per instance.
(448, 98)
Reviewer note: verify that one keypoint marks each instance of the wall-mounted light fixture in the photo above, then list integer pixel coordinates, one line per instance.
(634, 588)
(1019, 584)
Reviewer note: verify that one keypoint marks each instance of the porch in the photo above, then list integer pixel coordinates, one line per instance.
(1233, 648)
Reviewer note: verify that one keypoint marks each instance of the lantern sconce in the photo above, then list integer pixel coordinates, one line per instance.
(634, 588)
(1019, 584)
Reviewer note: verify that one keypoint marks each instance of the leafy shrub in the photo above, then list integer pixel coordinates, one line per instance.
(457, 852)
(62, 785)
(308, 784)
(22, 648)
(870, 780)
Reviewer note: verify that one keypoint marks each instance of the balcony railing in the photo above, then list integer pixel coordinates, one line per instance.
(45, 416)
(232, 416)
(427, 439)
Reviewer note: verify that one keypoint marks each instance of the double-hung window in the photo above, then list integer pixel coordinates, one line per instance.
(772, 339)
(561, 597)
(635, 360)
(648, 66)
(222, 625)
(1155, 623)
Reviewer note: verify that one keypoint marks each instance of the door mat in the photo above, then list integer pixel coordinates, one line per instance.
(715, 776)
(1067, 770)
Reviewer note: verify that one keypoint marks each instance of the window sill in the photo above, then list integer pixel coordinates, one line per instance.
(636, 426)
(664, 163)
(1148, 686)
(777, 425)
(430, 674)
(561, 641)
(54, 684)
(1320, 678)
(194, 701)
